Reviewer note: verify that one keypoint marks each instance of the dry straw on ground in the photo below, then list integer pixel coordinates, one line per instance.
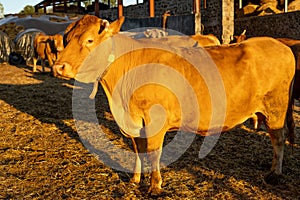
(42, 157)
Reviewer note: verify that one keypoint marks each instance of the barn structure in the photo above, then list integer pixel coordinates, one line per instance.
(219, 17)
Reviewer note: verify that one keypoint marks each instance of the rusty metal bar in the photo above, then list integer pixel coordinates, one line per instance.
(151, 8)
(197, 6)
(120, 8)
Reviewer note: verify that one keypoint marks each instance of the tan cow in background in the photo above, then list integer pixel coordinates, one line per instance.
(47, 47)
(186, 41)
(257, 75)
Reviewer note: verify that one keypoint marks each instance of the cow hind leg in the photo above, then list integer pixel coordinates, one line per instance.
(257, 119)
(278, 141)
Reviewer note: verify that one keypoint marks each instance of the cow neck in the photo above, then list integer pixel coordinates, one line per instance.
(110, 60)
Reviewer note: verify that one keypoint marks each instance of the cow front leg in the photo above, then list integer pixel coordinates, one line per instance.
(34, 64)
(277, 140)
(43, 64)
(154, 150)
(156, 180)
(139, 146)
(50, 61)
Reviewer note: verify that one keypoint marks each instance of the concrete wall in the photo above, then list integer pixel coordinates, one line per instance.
(279, 25)
(182, 18)
(177, 7)
(217, 18)
(183, 24)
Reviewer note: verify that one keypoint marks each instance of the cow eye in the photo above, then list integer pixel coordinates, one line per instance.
(90, 41)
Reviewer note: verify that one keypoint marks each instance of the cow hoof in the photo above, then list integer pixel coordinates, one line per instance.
(273, 178)
(154, 191)
(135, 181)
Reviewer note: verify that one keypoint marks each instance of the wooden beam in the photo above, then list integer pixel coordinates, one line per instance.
(120, 8)
(53, 5)
(97, 8)
(45, 8)
(65, 6)
(151, 8)
(79, 6)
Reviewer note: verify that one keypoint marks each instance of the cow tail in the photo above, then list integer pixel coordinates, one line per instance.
(290, 118)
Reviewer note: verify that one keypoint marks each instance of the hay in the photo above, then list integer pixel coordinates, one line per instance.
(11, 29)
(41, 156)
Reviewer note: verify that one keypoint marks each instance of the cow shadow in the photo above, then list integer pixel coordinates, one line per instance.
(49, 100)
(239, 161)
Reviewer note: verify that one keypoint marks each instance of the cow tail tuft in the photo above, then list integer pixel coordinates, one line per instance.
(290, 118)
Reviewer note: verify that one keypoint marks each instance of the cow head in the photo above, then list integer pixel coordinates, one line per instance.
(82, 37)
(58, 42)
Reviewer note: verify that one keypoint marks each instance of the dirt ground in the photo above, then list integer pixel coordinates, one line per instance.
(42, 156)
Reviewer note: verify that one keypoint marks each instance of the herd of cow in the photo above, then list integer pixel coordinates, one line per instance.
(259, 76)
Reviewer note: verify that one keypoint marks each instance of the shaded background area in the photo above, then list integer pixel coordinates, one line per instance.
(41, 155)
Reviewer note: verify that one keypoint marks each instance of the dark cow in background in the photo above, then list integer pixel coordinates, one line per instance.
(295, 47)
(47, 47)
(256, 61)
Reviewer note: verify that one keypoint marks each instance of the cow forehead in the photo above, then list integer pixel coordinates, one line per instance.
(58, 37)
(87, 29)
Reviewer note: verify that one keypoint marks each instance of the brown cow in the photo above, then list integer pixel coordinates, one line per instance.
(206, 40)
(47, 47)
(253, 61)
(239, 38)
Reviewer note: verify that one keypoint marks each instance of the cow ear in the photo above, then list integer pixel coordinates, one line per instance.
(116, 25)
(104, 24)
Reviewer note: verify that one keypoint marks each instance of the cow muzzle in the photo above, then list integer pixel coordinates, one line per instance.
(59, 49)
(63, 70)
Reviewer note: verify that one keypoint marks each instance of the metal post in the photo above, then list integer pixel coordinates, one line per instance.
(285, 6)
(197, 17)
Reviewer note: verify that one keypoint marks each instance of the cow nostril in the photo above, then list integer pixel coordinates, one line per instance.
(59, 69)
